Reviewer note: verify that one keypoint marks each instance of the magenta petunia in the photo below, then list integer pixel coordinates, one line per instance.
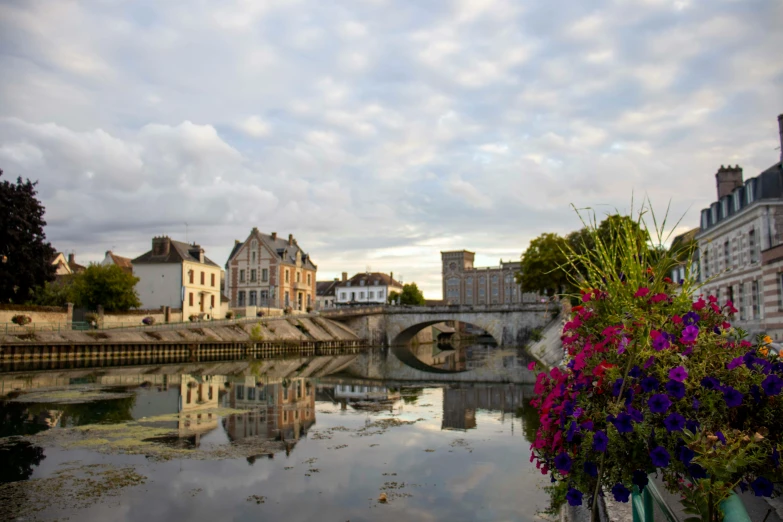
(531, 366)
(657, 298)
(678, 374)
(642, 292)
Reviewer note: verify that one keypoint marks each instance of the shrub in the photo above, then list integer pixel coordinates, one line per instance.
(91, 318)
(229, 315)
(148, 321)
(193, 318)
(657, 380)
(288, 310)
(21, 319)
(309, 309)
(260, 313)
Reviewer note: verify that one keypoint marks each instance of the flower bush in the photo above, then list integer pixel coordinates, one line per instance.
(149, 320)
(656, 380)
(21, 319)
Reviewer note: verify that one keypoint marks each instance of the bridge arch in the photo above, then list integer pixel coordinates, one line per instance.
(407, 334)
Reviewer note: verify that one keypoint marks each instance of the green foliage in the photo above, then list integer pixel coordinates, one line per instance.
(411, 295)
(54, 293)
(255, 333)
(107, 286)
(25, 256)
(393, 297)
(542, 266)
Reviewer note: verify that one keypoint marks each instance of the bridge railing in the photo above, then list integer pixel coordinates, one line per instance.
(649, 506)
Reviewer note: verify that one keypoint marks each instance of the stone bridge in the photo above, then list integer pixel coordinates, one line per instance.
(509, 325)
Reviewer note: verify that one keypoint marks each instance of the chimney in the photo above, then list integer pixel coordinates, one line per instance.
(780, 131)
(160, 246)
(71, 258)
(290, 240)
(727, 179)
(391, 276)
(236, 242)
(345, 276)
(274, 236)
(108, 252)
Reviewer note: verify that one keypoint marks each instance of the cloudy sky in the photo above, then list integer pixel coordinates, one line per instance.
(378, 132)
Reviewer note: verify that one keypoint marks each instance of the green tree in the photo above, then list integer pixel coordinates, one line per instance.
(25, 255)
(411, 295)
(543, 265)
(393, 297)
(54, 293)
(107, 286)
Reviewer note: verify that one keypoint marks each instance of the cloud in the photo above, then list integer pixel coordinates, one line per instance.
(379, 133)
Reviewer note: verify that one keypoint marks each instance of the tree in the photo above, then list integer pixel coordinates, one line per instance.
(108, 286)
(393, 297)
(542, 268)
(54, 293)
(25, 256)
(411, 295)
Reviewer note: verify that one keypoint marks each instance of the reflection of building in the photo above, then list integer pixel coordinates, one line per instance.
(198, 393)
(353, 392)
(460, 404)
(465, 284)
(283, 410)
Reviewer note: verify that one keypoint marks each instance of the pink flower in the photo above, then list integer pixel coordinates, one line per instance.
(698, 305)
(531, 366)
(657, 298)
(642, 292)
(676, 319)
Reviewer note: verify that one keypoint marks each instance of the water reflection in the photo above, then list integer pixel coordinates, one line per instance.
(461, 356)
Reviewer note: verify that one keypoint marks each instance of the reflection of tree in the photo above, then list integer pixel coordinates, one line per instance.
(411, 395)
(106, 412)
(15, 420)
(18, 459)
(530, 420)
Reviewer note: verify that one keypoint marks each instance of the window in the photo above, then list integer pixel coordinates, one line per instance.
(737, 200)
(754, 299)
(265, 274)
(241, 298)
(361, 295)
(780, 291)
(730, 293)
(253, 275)
(253, 257)
(342, 296)
(241, 276)
(726, 255)
(190, 299)
(251, 393)
(286, 275)
(752, 246)
(743, 300)
(380, 294)
(252, 296)
(469, 291)
(372, 295)
(203, 280)
(190, 276)
(494, 279)
(481, 291)
(309, 281)
(212, 301)
(494, 291)
(361, 282)
(241, 392)
(212, 280)
(724, 208)
(749, 192)
(706, 267)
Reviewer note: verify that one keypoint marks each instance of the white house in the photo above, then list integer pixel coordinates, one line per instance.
(178, 275)
(365, 288)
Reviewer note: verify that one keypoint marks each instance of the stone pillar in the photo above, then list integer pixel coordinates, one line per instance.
(69, 313)
(100, 316)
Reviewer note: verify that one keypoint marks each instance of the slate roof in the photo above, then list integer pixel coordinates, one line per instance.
(325, 288)
(178, 252)
(122, 262)
(280, 247)
(369, 280)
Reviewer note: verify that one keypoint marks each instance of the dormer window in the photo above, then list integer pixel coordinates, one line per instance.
(749, 192)
(348, 284)
(361, 283)
(737, 200)
(705, 220)
(375, 282)
(724, 208)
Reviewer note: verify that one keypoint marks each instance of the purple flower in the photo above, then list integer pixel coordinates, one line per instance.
(600, 441)
(640, 479)
(659, 403)
(685, 455)
(755, 392)
(587, 425)
(710, 383)
(649, 384)
(696, 404)
(690, 318)
(678, 374)
(660, 457)
(635, 372)
(776, 457)
(689, 334)
(618, 384)
(649, 362)
(692, 425)
(739, 361)
(574, 497)
(697, 472)
(563, 462)
(620, 492)
(721, 437)
(635, 414)
(623, 345)
(732, 397)
(591, 469)
(762, 487)
(573, 429)
(623, 423)
(772, 385)
(661, 343)
(674, 422)
(578, 412)
(675, 389)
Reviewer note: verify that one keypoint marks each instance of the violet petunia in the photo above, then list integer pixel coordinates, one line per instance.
(689, 334)
(660, 457)
(678, 373)
(659, 403)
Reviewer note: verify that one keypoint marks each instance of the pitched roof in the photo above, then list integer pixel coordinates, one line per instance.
(122, 262)
(369, 279)
(177, 253)
(279, 246)
(325, 288)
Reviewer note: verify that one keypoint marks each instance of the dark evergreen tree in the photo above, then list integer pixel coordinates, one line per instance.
(25, 255)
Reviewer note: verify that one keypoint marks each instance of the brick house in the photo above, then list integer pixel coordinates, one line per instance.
(268, 271)
(464, 283)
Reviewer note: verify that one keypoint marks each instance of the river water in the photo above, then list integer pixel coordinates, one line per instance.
(146, 444)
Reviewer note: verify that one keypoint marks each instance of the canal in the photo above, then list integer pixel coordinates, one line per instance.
(187, 442)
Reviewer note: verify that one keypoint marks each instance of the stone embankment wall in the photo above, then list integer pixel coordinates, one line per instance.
(262, 329)
(38, 314)
(549, 350)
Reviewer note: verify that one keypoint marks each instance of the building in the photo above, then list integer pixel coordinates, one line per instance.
(324, 294)
(122, 262)
(739, 246)
(685, 245)
(61, 265)
(365, 288)
(268, 271)
(466, 284)
(178, 275)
